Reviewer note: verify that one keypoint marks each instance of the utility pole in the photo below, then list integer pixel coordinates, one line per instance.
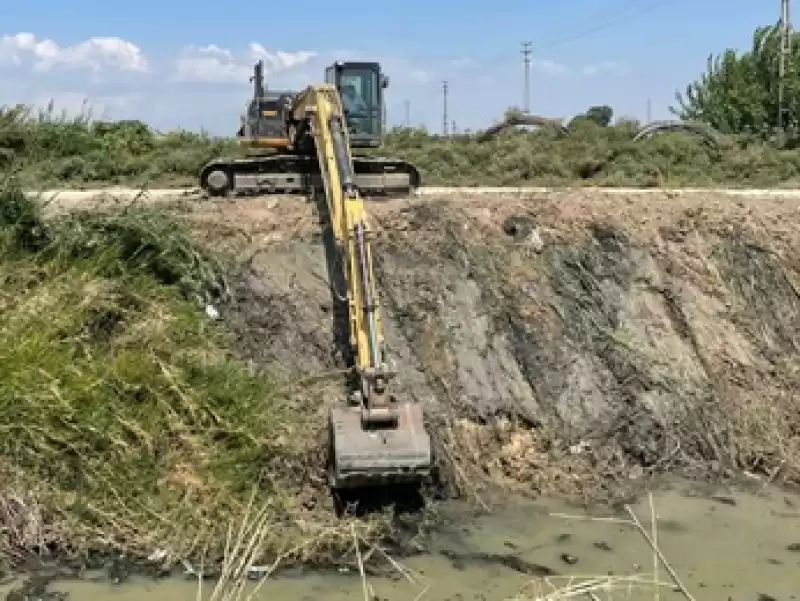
(785, 52)
(407, 112)
(445, 89)
(526, 61)
(649, 111)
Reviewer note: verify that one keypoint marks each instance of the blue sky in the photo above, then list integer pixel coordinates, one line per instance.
(179, 63)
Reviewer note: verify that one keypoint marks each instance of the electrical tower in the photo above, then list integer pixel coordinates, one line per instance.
(785, 35)
(526, 61)
(445, 89)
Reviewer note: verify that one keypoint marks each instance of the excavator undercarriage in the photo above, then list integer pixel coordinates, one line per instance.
(298, 174)
(374, 438)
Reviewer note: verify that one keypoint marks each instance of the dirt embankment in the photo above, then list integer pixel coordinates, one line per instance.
(562, 342)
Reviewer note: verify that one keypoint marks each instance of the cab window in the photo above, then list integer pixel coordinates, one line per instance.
(359, 90)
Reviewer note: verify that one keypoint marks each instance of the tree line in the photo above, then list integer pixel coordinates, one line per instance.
(737, 93)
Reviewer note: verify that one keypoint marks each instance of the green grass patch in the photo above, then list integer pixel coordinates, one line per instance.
(56, 151)
(126, 421)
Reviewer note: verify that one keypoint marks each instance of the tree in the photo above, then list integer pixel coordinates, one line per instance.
(513, 113)
(602, 115)
(738, 93)
(598, 115)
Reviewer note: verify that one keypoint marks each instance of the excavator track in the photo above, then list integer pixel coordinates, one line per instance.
(299, 174)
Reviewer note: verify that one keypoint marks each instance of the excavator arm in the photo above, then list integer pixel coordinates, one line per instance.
(376, 439)
(321, 108)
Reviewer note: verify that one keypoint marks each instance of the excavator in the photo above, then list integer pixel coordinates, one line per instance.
(374, 438)
(281, 157)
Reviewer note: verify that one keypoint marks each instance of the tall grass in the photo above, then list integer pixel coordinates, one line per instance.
(58, 150)
(48, 148)
(125, 421)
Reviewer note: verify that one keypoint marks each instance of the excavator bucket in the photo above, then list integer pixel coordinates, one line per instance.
(359, 456)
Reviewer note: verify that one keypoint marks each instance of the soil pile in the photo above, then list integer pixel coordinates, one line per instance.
(567, 342)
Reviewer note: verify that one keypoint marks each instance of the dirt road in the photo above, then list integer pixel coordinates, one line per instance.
(122, 194)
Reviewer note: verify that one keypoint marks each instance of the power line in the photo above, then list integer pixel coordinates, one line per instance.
(526, 61)
(641, 7)
(445, 87)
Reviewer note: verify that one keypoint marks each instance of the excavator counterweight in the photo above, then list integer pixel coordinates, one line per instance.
(374, 438)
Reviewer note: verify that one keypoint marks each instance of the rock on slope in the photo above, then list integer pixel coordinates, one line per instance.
(560, 341)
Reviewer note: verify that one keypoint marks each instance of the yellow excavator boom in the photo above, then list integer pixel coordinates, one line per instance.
(376, 439)
(351, 229)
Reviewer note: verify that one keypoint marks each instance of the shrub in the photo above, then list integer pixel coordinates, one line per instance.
(47, 150)
(127, 421)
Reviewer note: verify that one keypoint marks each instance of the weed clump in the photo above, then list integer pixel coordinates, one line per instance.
(126, 421)
(51, 149)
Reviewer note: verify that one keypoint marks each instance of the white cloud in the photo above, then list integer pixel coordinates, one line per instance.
(549, 67)
(95, 54)
(280, 61)
(420, 76)
(462, 63)
(212, 64)
(209, 64)
(606, 68)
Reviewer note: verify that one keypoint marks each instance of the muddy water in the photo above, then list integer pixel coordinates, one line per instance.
(723, 544)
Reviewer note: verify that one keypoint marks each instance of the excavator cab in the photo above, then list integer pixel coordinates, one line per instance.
(361, 86)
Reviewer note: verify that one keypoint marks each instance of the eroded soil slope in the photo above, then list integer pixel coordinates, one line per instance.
(561, 342)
